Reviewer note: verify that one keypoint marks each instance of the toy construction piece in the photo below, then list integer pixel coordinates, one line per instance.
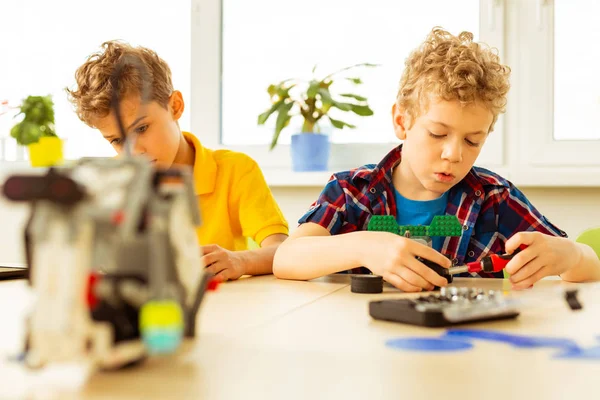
(366, 284)
(450, 306)
(113, 256)
(161, 326)
(441, 225)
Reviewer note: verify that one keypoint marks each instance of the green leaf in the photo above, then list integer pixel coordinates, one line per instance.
(26, 133)
(38, 109)
(328, 101)
(354, 96)
(15, 132)
(325, 96)
(272, 89)
(313, 89)
(283, 120)
(284, 92)
(47, 130)
(262, 118)
(38, 120)
(340, 124)
(280, 90)
(356, 81)
(314, 69)
(364, 111)
(325, 108)
(343, 106)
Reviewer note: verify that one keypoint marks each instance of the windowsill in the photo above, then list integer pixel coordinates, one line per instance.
(285, 178)
(14, 167)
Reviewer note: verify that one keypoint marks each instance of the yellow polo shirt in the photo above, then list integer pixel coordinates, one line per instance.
(235, 201)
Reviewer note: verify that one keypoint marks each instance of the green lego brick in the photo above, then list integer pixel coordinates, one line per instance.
(415, 230)
(442, 225)
(383, 223)
(445, 225)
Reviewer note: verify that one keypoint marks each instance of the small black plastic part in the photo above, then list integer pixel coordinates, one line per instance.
(572, 300)
(366, 284)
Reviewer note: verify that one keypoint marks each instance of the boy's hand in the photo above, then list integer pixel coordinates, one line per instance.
(394, 258)
(545, 255)
(224, 264)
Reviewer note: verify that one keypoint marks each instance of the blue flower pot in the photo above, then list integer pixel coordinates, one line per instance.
(310, 152)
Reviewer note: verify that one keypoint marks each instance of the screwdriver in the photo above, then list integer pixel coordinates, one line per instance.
(492, 263)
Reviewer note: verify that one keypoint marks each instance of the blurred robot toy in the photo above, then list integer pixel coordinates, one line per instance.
(113, 255)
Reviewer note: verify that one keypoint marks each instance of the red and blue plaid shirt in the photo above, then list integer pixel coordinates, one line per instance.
(489, 208)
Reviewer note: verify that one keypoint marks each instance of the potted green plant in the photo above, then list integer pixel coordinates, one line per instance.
(313, 100)
(36, 131)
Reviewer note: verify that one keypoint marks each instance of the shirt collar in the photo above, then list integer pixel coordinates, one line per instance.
(382, 173)
(383, 170)
(205, 166)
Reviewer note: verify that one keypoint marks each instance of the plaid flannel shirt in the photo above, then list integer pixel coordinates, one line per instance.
(489, 208)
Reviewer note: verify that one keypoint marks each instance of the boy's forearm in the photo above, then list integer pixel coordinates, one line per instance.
(588, 268)
(311, 257)
(260, 261)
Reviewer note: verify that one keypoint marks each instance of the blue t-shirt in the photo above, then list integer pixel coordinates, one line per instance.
(416, 212)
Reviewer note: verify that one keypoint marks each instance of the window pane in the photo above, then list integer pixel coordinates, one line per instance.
(43, 42)
(265, 41)
(576, 78)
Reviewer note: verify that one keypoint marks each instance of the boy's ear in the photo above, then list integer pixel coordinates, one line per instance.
(176, 105)
(399, 119)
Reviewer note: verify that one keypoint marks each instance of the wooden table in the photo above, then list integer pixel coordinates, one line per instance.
(265, 338)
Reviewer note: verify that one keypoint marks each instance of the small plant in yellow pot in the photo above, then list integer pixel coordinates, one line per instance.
(36, 131)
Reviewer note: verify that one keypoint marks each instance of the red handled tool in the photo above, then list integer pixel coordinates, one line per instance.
(491, 263)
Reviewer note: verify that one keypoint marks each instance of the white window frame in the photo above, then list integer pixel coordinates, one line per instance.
(206, 98)
(535, 158)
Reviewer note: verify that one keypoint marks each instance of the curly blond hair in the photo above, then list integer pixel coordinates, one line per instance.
(91, 99)
(453, 68)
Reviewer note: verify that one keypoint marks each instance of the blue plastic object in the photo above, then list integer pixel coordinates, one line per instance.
(461, 339)
(162, 341)
(310, 152)
(428, 344)
(592, 353)
(515, 340)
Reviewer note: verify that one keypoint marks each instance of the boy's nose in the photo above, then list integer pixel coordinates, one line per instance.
(138, 147)
(452, 152)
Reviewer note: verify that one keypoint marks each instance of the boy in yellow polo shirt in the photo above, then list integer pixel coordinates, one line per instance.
(234, 198)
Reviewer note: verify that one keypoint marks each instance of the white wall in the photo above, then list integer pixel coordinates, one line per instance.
(571, 209)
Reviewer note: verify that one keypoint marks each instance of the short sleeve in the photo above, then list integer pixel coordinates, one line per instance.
(329, 210)
(517, 214)
(259, 214)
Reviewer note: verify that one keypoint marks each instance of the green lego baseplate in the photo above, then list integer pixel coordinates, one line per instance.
(441, 225)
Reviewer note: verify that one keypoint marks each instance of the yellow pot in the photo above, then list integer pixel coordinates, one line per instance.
(48, 151)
